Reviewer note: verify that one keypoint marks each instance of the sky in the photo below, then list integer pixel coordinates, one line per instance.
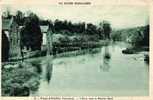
(118, 16)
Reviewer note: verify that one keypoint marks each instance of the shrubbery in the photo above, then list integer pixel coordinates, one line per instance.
(19, 79)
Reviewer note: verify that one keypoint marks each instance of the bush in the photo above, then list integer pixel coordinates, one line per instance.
(17, 80)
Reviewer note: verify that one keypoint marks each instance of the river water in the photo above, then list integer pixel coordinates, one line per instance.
(107, 72)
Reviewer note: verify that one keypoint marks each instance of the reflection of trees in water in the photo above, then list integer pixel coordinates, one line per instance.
(105, 67)
(106, 58)
(49, 69)
(46, 70)
(38, 65)
(146, 59)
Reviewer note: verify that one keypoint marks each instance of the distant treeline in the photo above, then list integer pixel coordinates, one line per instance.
(103, 29)
(137, 36)
(67, 27)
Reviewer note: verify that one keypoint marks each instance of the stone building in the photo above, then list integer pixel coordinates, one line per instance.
(44, 30)
(10, 28)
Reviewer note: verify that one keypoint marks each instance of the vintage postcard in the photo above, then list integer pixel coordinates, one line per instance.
(76, 50)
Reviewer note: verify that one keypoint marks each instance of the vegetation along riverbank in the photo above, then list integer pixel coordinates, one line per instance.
(29, 39)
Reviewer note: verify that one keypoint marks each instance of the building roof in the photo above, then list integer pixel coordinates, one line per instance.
(6, 24)
(44, 28)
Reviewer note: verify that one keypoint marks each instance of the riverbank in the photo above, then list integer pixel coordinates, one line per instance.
(133, 50)
(19, 79)
(63, 49)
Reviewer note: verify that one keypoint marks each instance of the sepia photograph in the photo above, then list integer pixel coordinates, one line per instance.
(50, 50)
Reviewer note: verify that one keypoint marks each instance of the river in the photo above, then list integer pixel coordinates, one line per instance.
(107, 72)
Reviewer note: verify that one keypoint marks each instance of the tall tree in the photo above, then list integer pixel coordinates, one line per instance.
(58, 25)
(19, 17)
(107, 29)
(146, 35)
(101, 30)
(31, 35)
(91, 29)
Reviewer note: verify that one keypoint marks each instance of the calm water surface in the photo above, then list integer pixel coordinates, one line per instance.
(107, 72)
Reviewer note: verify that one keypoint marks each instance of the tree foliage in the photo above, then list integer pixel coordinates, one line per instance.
(67, 27)
(31, 36)
(138, 36)
(19, 17)
(146, 35)
(107, 29)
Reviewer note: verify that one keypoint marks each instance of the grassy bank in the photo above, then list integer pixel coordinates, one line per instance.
(19, 79)
(62, 48)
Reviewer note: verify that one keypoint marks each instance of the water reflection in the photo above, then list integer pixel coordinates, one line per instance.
(37, 64)
(105, 66)
(146, 59)
(49, 70)
(71, 74)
